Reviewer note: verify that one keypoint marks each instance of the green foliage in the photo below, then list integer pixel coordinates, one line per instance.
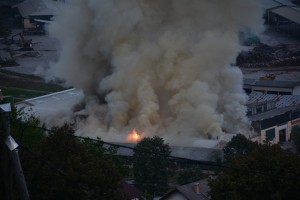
(23, 128)
(4, 27)
(278, 176)
(150, 165)
(239, 145)
(189, 175)
(295, 137)
(88, 177)
(91, 171)
(96, 150)
(146, 196)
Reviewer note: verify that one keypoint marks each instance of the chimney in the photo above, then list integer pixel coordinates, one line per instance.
(197, 188)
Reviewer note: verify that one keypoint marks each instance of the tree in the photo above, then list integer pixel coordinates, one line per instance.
(96, 149)
(73, 173)
(23, 128)
(57, 165)
(150, 165)
(4, 27)
(189, 175)
(239, 145)
(295, 137)
(268, 172)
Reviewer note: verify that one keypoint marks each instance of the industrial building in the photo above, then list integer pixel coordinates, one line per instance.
(273, 116)
(273, 109)
(283, 15)
(272, 86)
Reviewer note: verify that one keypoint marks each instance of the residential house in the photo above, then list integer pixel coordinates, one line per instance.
(192, 191)
(35, 13)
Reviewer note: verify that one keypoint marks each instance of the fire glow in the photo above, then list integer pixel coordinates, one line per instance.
(134, 136)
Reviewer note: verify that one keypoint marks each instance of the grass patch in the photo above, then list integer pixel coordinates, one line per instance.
(20, 94)
(24, 86)
(28, 76)
(44, 87)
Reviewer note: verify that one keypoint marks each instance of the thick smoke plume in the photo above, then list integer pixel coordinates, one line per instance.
(160, 66)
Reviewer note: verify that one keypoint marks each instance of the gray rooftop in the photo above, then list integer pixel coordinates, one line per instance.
(281, 100)
(271, 83)
(194, 153)
(272, 113)
(39, 7)
(188, 192)
(284, 103)
(268, 4)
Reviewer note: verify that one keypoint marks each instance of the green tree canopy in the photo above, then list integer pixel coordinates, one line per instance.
(239, 145)
(150, 165)
(268, 172)
(188, 175)
(4, 27)
(87, 176)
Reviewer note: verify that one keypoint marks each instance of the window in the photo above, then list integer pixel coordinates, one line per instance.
(259, 109)
(270, 134)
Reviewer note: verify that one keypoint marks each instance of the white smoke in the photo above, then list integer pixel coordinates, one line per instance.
(161, 66)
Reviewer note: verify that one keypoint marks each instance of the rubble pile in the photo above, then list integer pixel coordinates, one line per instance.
(263, 55)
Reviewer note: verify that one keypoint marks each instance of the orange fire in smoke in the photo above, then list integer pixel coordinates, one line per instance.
(134, 136)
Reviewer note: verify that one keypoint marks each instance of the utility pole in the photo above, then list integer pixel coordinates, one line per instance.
(13, 158)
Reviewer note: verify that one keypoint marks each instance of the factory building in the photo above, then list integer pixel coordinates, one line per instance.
(273, 108)
(273, 116)
(283, 15)
(272, 87)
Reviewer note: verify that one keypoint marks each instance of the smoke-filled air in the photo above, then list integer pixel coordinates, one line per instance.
(161, 67)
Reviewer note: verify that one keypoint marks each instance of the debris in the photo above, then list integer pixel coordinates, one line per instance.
(269, 56)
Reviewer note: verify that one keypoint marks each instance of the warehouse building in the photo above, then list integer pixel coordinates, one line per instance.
(273, 116)
(283, 15)
(272, 86)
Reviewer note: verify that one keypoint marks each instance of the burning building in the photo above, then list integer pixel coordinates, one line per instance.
(160, 67)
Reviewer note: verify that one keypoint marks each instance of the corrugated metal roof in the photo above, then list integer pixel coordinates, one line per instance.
(271, 83)
(284, 103)
(50, 104)
(288, 13)
(268, 4)
(285, 2)
(272, 113)
(194, 153)
(281, 100)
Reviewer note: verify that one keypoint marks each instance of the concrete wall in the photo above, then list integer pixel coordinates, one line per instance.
(27, 24)
(287, 128)
(296, 90)
(277, 89)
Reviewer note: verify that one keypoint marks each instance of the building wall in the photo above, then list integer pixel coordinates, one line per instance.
(296, 90)
(27, 23)
(256, 139)
(264, 135)
(277, 89)
(286, 128)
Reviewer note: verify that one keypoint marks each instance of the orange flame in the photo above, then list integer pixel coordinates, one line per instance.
(134, 136)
